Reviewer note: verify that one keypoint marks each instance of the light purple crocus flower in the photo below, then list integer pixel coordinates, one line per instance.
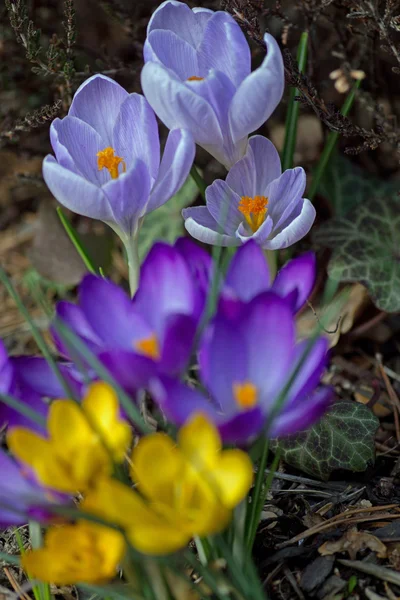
(21, 498)
(31, 380)
(154, 330)
(256, 201)
(107, 157)
(198, 76)
(247, 356)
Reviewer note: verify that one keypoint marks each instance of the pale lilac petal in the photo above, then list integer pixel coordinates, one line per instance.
(83, 143)
(97, 102)
(222, 203)
(175, 167)
(296, 230)
(62, 155)
(203, 227)
(175, 53)
(128, 196)
(74, 192)
(261, 236)
(284, 193)
(248, 273)
(179, 18)
(303, 415)
(207, 12)
(267, 163)
(135, 134)
(298, 277)
(225, 48)
(259, 94)
(242, 176)
(178, 106)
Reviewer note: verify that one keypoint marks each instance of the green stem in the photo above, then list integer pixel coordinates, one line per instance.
(42, 590)
(272, 260)
(75, 239)
(293, 109)
(199, 181)
(254, 515)
(132, 251)
(330, 144)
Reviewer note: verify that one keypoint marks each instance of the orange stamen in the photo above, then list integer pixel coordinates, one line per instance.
(195, 78)
(254, 210)
(106, 159)
(148, 347)
(245, 394)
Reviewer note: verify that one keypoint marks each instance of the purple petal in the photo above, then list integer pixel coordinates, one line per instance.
(111, 314)
(175, 53)
(259, 94)
(23, 393)
(242, 176)
(6, 370)
(203, 227)
(298, 275)
(74, 318)
(261, 236)
(284, 193)
(248, 273)
(74, 192)
(128, 196)
(36, 374)
(62, 155)
(177, 17)
(132, 371)
(311, 370)
(303, 415)
(166, 287)
(200, 265)
(178, 106)
(222, 203)
(267, 164)
(135, 134)
(179, 334)
(225, 48)
(97, 102)
(243, 427)
(295, 230)
(174, 169)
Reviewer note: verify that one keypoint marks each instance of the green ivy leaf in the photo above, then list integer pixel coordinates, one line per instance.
(343, 439)
(166, 223)
(346, 185)
(366, 248)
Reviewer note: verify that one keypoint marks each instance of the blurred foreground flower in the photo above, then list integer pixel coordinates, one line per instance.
(82, 443)
(247, 357)
(181, 490)
(84, 552)
(107, 163)
(257, 201)
(198, 76)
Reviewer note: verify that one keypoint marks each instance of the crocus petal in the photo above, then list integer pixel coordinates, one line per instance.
(248, 273)
(179, 334)
(259, 94)
(177, 17)
(203, 227)
(175, 166)
(135, 133)
(284, 193)
(178, 106)
(166, 287)
(267, 164)
(310, 371)
(74, 192)
(243, 427)
(130, 370)
(83, 143)
(35, 373)
(298, 275)
(225, 48)
(261, 236)
(222, 203)
(6, 370)
(62, 155)
(303, 415)
(241, 177)
(97, 102)
(295, 230)
(128, 196)
(200, 264)
(176, 54)
(112, 316)
(74, 318)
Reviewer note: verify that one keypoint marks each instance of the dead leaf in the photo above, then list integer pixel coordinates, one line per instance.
(353, 542)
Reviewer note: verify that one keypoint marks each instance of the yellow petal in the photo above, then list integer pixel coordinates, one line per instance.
(233, 476)
(156, 465)
(200, 442)
(157, 540)
(68, 427)
(28, 446)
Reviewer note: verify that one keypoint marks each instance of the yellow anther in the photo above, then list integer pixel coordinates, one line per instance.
(148, 347)
(254, 210)
(245, 394)
(106, 159)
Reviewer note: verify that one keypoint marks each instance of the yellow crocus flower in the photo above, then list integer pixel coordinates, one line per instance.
(80, 553)
(82, 444)
(183, 489)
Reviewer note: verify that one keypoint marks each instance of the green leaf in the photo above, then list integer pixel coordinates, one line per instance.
(366, 248)
(166, 223)
(346, 185)
(343, 439)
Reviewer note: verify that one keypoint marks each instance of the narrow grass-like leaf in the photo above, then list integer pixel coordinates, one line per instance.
(75, 239)
(293, 108)
(10, 559)
(40, 590)
(199, 181)
(23, 409)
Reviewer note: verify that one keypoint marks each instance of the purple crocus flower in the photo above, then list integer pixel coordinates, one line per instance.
(30, 380)
(107, 157)
(257, 201)
(247, 356)
(21, 498)
(155, 329)
(198, 76)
